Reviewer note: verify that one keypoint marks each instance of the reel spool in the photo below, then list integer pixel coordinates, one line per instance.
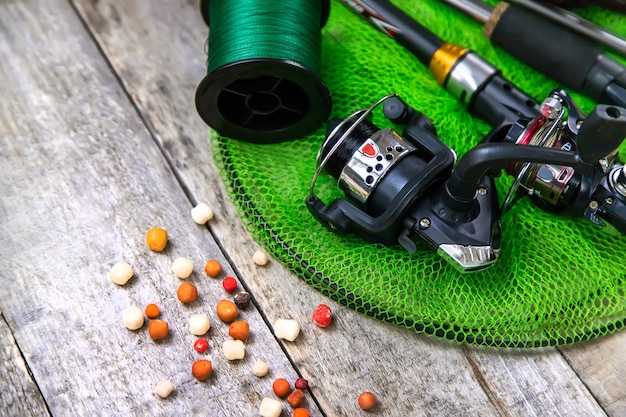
(549, 182)
(263, 82)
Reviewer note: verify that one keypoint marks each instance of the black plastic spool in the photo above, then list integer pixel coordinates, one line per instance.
(263, 100)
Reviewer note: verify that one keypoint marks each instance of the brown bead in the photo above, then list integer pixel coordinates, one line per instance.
(156, 239)
(158, 329)
(202, 369)
(227, 311)
(239, 330)
(187, 292)
(296, 398)
(242, 300)
(213, 268)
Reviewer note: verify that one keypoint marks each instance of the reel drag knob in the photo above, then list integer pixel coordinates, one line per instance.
(601, 132)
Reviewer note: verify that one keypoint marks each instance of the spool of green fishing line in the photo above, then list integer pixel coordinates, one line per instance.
(263, 80)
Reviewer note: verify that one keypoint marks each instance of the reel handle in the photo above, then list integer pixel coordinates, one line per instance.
(602, 132)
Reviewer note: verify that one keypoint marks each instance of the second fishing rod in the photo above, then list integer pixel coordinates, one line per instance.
(555, 50)
(467, 76)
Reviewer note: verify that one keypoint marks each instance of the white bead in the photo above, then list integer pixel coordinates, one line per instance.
(286, 329)
(182, 267)
(201, 213)
(121, 273)
(270, 407)
(260, 369)
(233, 349)
(199, 324)
(132, 317)
(260, 257)
(164, 388)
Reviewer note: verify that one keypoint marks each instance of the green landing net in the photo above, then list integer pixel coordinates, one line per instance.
(557, 280)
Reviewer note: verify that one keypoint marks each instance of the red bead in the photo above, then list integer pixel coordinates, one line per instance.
(301, 383)
(322, 315)
(229, 284)
(201, 345)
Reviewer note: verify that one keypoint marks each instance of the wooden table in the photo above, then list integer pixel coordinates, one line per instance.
(100, 141)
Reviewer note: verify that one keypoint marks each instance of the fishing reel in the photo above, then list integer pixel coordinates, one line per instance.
(402, 188)
(598, 195)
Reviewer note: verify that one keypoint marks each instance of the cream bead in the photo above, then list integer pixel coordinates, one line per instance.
(270, 407)
(164, 388)
(286, 329)
(260, 369)
(199, 324)
(260, 257)
(182, 267)
(132, 317)
(233, 349)
(121, 273)
(201, 213)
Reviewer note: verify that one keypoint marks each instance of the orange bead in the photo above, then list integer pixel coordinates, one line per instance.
(227, 311)
(212, 268)
(281, 387)
(156, 239)
(296, 398)
(367, 400)
(187, 292)
(239, 330)
(300, 412)
(152, 311)
(202, 369)
(158, 329)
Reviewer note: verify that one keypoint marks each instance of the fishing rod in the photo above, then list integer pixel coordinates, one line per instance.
(462, 72)
(554, 50)
(618, 6)
(482, 13)
(574, 22)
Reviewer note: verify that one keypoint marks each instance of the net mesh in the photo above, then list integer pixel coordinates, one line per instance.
(557, 280)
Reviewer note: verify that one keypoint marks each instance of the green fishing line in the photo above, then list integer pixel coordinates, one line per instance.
(263, 80)
(245, 29)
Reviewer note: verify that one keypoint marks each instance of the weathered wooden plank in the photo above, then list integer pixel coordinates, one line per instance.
(601, 364)
(413, 375)
(18, 393)
(81, 181)
(532, 383)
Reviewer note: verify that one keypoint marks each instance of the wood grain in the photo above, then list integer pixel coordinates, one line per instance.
(18, 393)
(601, 365)
(414, 375)
(99, 141)
(82, 181)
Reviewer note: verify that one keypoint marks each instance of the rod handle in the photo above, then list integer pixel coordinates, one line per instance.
(551, 49)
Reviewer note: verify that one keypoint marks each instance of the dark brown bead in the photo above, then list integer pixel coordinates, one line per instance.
(242, 300)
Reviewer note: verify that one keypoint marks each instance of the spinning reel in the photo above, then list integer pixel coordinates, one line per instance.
(399, 188)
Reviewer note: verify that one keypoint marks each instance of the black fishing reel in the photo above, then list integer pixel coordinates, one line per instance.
(598, 195)
(399, 188)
